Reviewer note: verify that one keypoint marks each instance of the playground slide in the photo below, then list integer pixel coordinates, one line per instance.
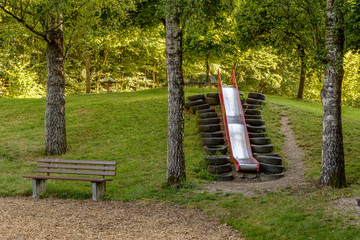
(235, 127)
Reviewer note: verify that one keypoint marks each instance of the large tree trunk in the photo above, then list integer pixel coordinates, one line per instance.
(87, 72)
(175, 149)
(302, 74)
(332, 165)
(55, 130)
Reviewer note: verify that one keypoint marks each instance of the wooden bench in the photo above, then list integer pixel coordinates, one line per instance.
(74, 168)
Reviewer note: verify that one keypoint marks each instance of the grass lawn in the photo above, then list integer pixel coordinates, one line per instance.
(131, 128)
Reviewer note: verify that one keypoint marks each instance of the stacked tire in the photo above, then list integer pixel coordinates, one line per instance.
(270, 163)
(212, 138)
(196, 103)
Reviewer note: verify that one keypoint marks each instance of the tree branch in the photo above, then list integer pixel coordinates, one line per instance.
(67, 47)
(22, 21)
(64, 20)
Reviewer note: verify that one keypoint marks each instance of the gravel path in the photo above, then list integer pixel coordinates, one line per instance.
(28, 218)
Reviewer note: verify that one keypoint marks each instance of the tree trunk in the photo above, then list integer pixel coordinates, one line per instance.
(154, 76)
(332, 164)
(207, 68)
(175, 148)
(55, 129)
(87, 70)
(302, 74)
(235, 69)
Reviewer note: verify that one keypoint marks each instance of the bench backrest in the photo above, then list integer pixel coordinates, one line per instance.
(78, 167)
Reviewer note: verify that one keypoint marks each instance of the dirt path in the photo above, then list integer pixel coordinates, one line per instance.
(253, 187)
(27, 218)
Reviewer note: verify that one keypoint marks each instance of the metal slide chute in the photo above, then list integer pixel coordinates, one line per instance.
(235, 127)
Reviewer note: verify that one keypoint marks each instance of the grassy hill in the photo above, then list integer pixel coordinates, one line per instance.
(131, 128)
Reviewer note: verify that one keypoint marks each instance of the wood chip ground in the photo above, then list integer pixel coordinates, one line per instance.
(28, 218)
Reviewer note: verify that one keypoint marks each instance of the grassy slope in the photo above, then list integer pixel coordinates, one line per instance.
(131, 129)
(306, 120)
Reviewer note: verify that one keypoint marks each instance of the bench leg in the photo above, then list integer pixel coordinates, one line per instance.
(98, 190)
(38, 186)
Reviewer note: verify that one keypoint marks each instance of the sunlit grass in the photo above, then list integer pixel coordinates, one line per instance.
(306, 121)
(131, 128)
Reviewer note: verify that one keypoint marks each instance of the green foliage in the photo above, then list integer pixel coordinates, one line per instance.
(22, 70)
(93, 28)
(283, 24)
(262, 70)
(351, 82)
(293, 28)
(126, 42)
(352, 21)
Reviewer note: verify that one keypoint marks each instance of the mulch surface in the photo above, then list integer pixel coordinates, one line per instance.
(28, 218)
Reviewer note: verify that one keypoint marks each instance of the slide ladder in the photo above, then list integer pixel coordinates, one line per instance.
(235, 127)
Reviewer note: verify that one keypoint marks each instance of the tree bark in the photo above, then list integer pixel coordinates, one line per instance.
(55, 129)
(207, 67)
(87, 72)
(332, 164)
(154, 76)
(302, 73)
(175, 148)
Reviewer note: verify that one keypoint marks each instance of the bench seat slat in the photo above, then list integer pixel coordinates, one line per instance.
(75, 172)
(84, 167)
(47, 160)
(68, 178)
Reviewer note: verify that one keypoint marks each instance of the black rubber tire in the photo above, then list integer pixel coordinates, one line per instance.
(208, 115)
(206, 121)
(212, 101)
(206, 110)
(252, 116)
(222, 177)
(253, 112)
(256, 129)
(255, 122)
(269, 160)
(251, 106)
(189, 104)
(211, 134)
(225, 168)
(262, 148)
(196, 97)
(266, 154)
(270, 168)
(255, 101)
(213, 95)
(260, 141)
(256, 135)
(217, 160)
(209, 128)
(212, 141)
(199, 107)
(264, 177)
(257, 96)
(212, 150)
